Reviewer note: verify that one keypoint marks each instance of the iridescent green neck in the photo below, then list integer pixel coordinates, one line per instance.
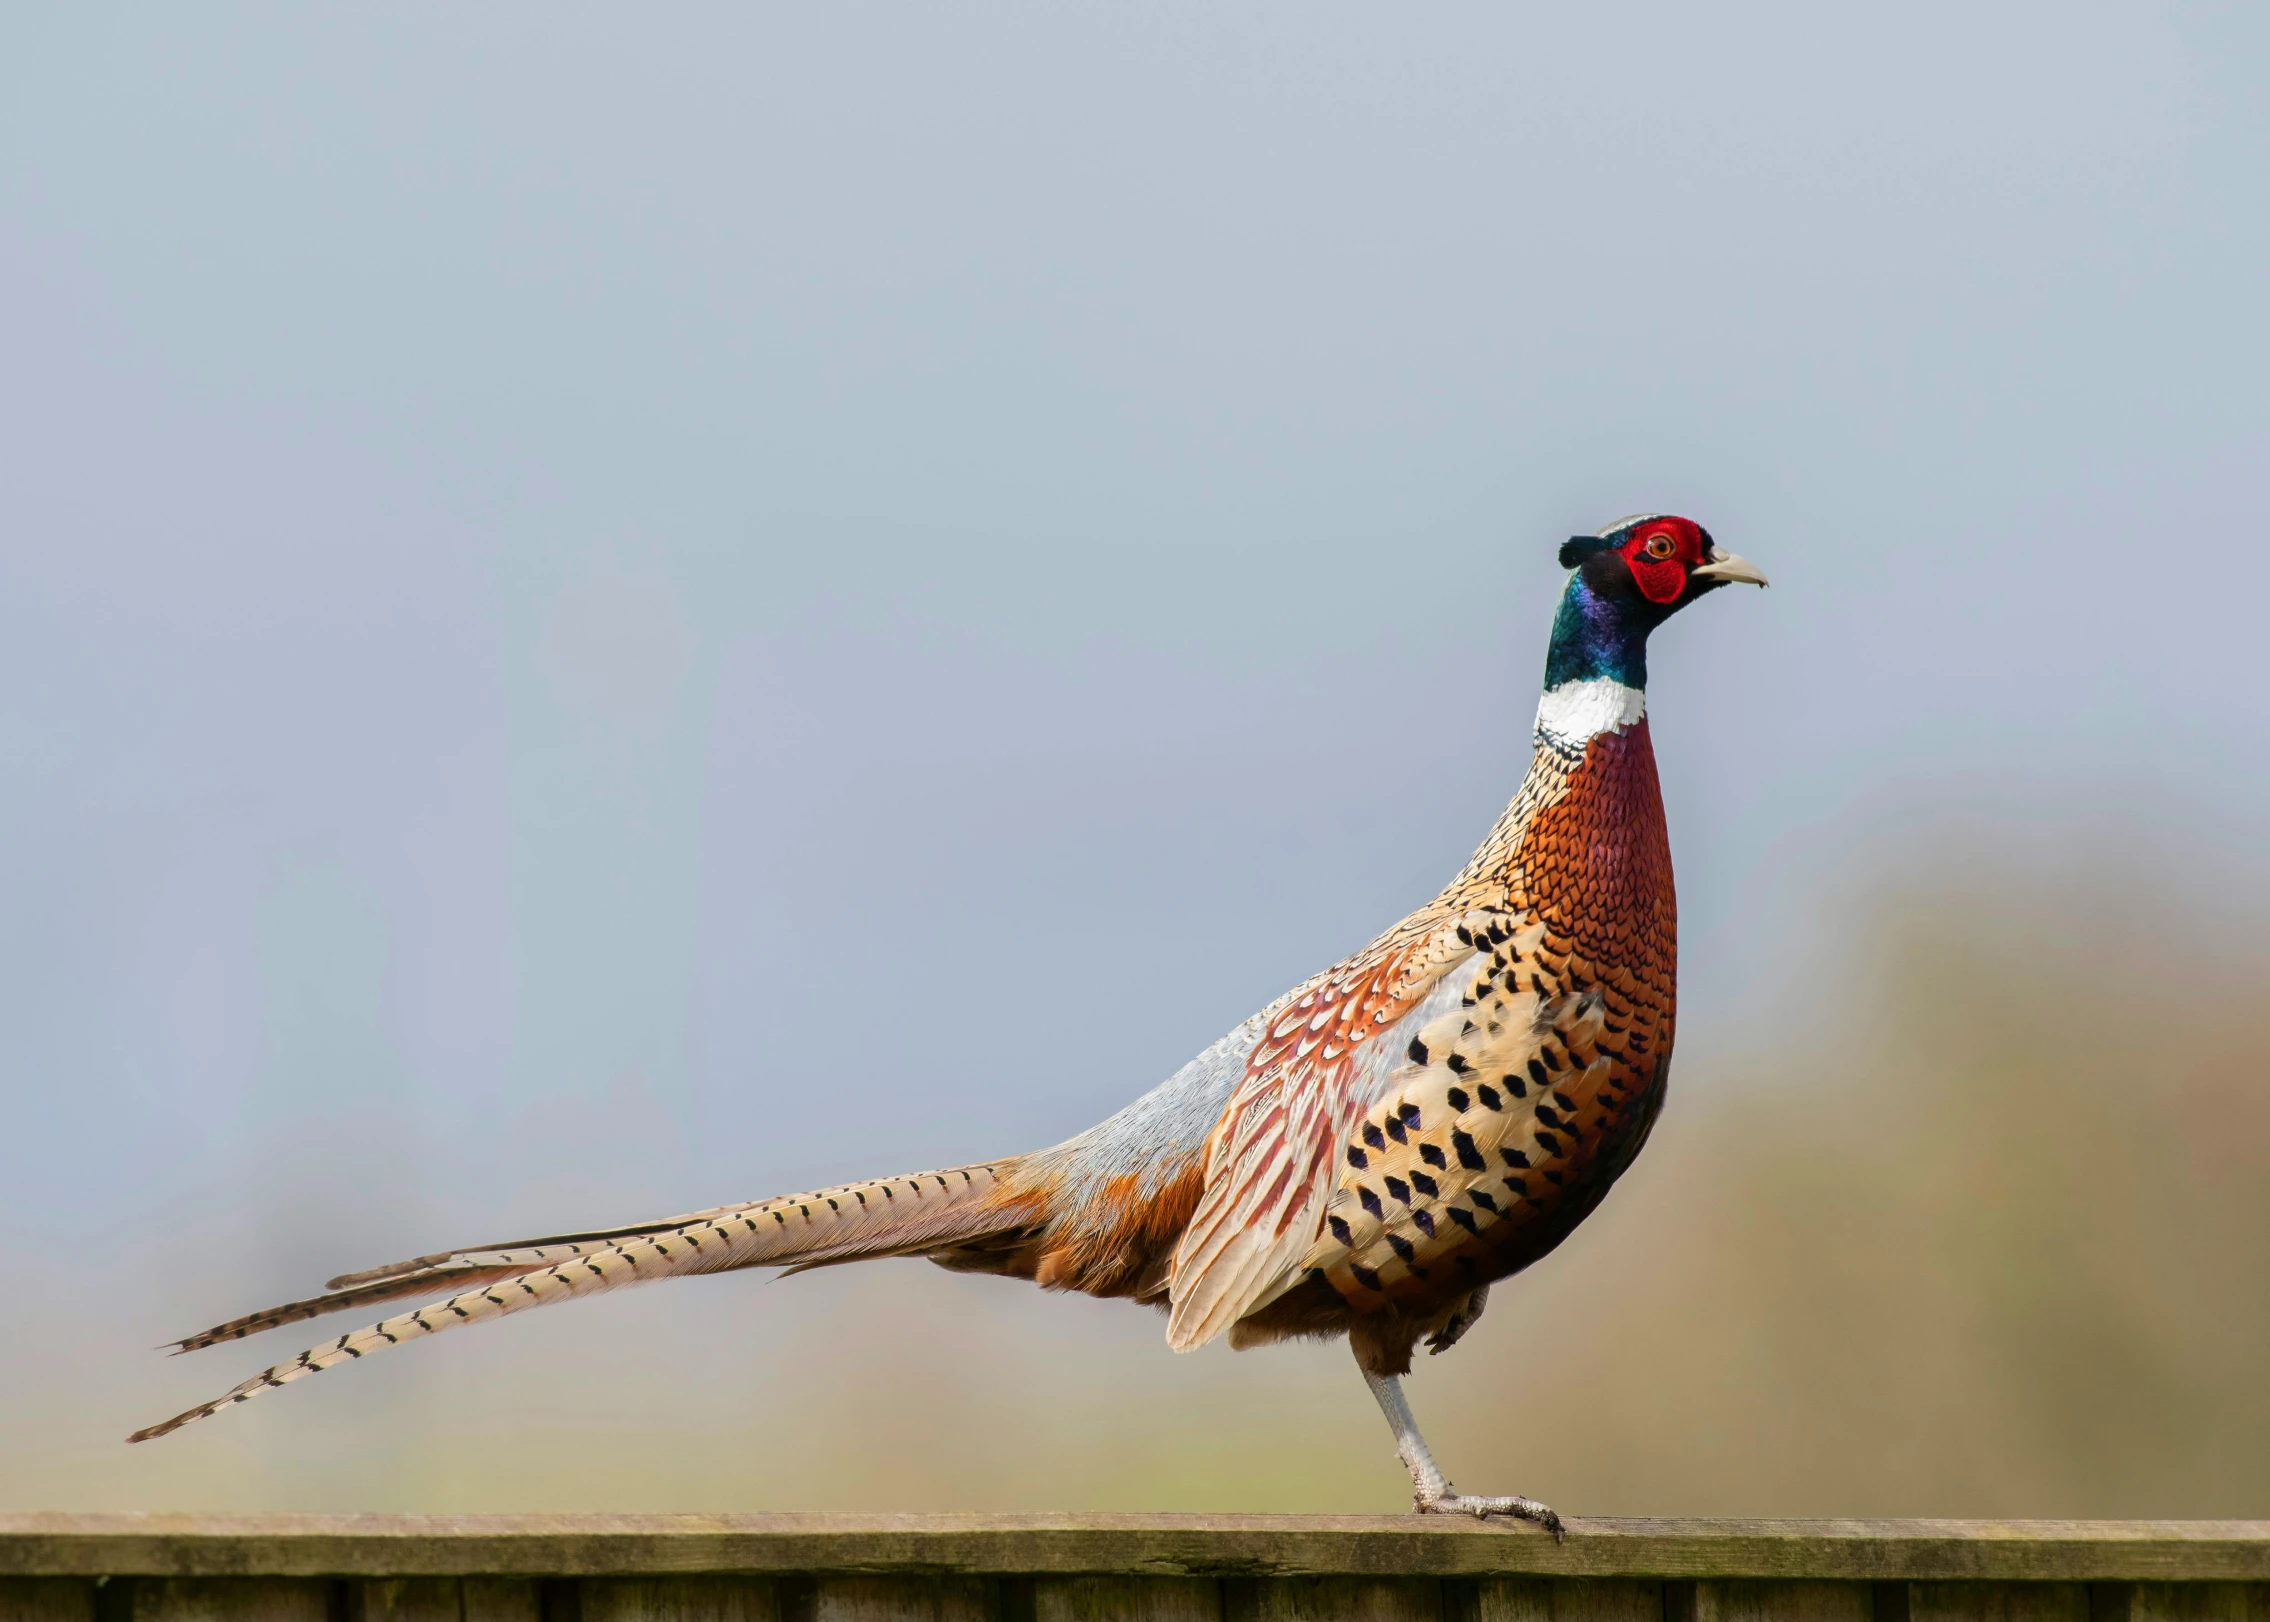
(1594, 639)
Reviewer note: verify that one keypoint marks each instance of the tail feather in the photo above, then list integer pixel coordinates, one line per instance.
(429, 1282)
(476, 1264)
(572, 1244)
(891, 1216)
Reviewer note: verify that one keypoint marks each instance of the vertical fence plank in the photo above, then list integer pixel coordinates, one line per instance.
(2198, 1602)
(1769, 1601)
(678, 1599)
(1332, 1599)
(232, 1599)
(1127, 1599)
(499, 1599)
(406, 1599)
(900, 1599)
(47, 1599)
(1605, 1599)
(1998, 1602)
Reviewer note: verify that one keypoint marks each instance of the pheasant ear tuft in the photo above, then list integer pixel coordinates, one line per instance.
(1577, 548)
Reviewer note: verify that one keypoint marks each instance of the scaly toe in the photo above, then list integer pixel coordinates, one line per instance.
(1522, 1509)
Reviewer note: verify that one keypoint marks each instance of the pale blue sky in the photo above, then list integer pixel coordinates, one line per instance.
(603, 610)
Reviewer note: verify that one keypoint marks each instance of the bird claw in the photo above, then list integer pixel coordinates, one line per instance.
(1520, 1508)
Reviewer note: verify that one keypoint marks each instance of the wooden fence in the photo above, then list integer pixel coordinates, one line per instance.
(1148, 1568)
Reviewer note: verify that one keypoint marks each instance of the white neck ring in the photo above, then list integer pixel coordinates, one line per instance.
(1574, 713)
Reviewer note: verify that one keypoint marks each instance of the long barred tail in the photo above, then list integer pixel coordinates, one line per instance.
(891, 1217)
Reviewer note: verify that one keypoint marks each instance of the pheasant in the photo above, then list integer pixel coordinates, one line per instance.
(1363, 1157)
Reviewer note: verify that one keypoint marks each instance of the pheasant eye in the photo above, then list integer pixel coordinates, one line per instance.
(1661, 546)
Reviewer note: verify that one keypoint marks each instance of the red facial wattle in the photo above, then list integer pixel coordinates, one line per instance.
(1661, 578)
(1659, 582)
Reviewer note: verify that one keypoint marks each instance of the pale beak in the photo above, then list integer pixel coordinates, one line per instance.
(1725, 565)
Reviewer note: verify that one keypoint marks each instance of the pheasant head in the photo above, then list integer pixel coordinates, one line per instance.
(1624, 582)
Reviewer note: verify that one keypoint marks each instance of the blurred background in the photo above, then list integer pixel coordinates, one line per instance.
(606, 612)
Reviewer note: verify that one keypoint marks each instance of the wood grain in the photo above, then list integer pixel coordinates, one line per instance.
(1138, 1599)
(500, 1599)
(1332, 1599)
(676, 1599)
(232, 1599)
(1565, 1599)
(46, 1599)
(407, 1599)
(1749, 1600)
(1998, 1602)
(1236, 1546)
(2193, 1602)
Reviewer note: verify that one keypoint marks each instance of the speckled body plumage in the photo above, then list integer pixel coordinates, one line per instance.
(1365, 1156)
(1540, 980)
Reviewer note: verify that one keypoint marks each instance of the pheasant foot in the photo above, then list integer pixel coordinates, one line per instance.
(1432, 1493)
(1460, 1503)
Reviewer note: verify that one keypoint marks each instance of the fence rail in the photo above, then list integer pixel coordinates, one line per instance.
(1130, 1568)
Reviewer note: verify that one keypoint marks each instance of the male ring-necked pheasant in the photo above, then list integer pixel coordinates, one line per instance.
(1365, 1156)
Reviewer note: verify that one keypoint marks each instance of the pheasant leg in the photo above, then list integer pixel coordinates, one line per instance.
(1431, 1493)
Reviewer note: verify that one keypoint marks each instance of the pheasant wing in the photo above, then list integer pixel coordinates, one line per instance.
(1269, 1165)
